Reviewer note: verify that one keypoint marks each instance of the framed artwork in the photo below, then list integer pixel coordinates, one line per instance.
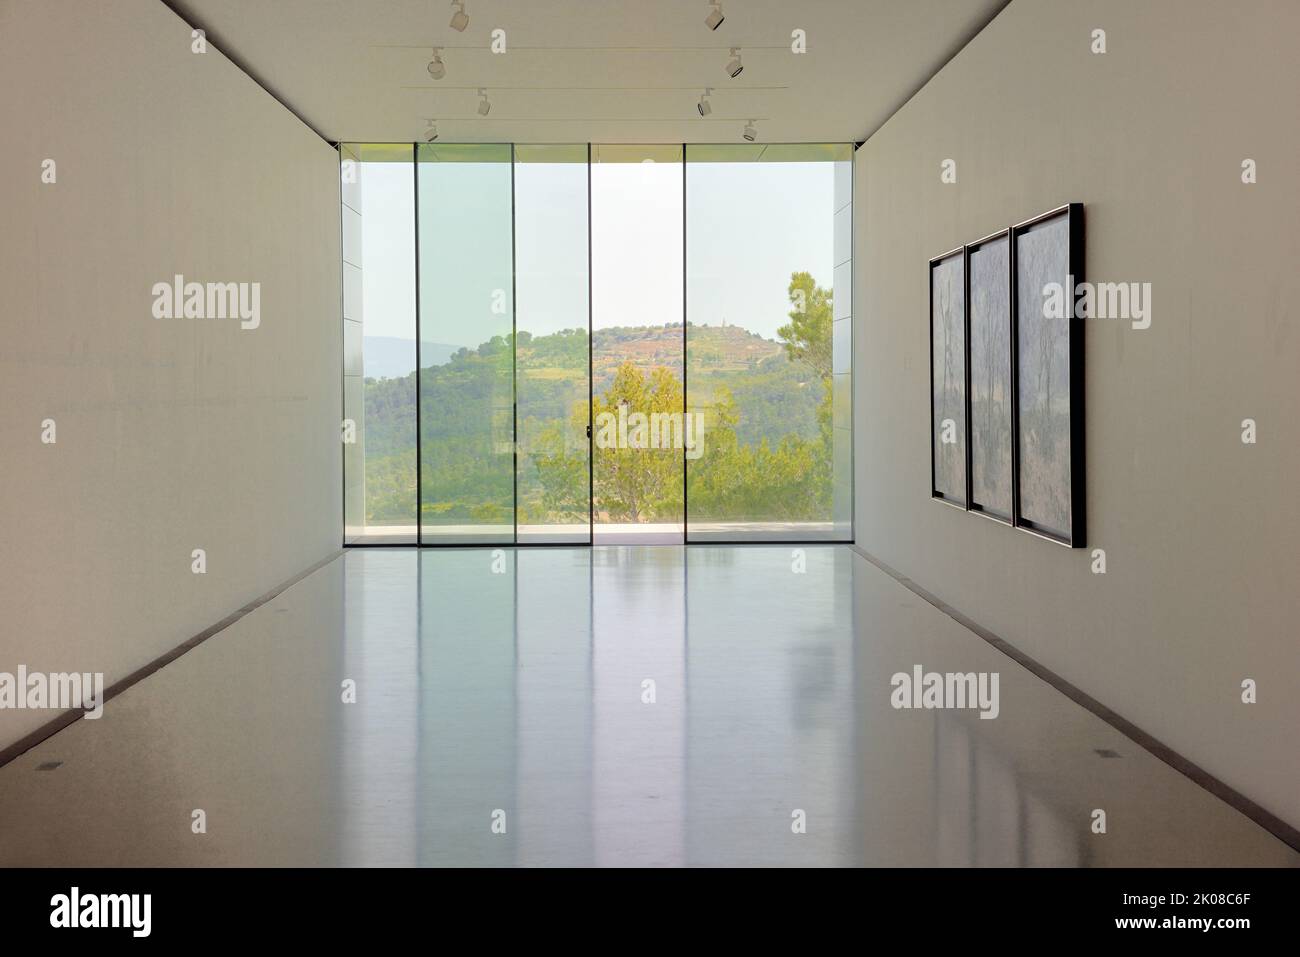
(990, 462)
(1047, 371)
(948, 378)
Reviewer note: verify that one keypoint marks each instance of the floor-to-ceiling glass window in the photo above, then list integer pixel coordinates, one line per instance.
(378, 222)
(466, 319)
(552, 318)
(768, 266)
(637, 350)
(611, 343)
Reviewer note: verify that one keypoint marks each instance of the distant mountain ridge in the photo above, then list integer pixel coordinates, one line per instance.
(729, 348)
(775, 396)
(388, 357)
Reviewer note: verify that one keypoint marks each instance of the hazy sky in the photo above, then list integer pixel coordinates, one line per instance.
(387, 250)
(750, 225)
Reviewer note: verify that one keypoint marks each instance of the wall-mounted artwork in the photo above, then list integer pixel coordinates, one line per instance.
(1006, 377)
(1048, 368)
(988, 266)
(948, 378)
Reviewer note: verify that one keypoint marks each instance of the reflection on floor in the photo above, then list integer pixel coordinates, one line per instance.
(509, 692)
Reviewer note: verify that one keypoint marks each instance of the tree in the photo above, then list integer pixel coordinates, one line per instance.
(562, 475)
(736, 483)
(807, 338)
(639, 484)
(768, 440)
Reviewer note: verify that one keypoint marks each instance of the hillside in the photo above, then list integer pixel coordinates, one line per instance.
(774, 396)
(766, 452)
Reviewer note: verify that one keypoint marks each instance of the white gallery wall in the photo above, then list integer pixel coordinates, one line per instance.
(170, 434)
(1202, 582)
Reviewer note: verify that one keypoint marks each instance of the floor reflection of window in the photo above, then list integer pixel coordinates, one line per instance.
(985, 816)
(639, 806)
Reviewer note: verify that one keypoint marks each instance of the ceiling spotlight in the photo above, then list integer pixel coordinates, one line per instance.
(750, 133)
(734, 66)
(431, 133)
(484, 107)
(704, 106)
(459, 19)
(715, 17)
(437, 69)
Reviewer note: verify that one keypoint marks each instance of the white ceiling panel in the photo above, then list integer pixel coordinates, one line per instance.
(612, 71)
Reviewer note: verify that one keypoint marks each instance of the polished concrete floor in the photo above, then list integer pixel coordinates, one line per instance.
(508, 692)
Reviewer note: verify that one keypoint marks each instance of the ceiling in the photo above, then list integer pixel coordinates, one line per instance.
(601, 71)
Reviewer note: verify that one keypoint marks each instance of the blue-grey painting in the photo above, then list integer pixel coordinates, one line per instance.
(990, 377)
(1043, 359)
(948, 377)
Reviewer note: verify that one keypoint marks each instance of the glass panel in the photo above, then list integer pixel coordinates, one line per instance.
(842, 348)
(768, 342)
(552, 381)
(378, 220)
(637, 348)
(503, 235)
(467, 467)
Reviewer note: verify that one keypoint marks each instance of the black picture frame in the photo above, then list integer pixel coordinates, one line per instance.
(949, 495)
(974, 373)
(1071, 531)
